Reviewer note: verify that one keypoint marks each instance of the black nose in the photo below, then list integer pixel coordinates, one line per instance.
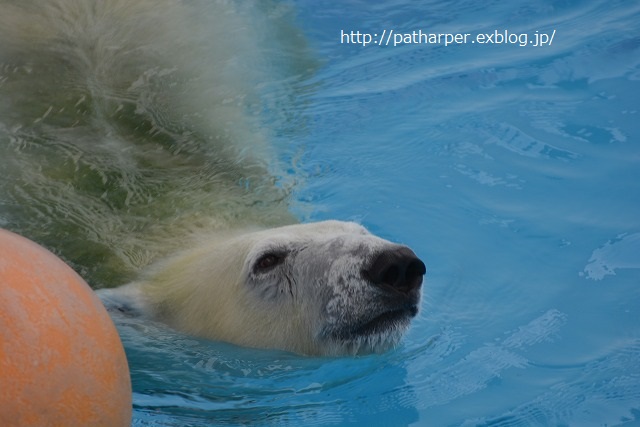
(398, 268)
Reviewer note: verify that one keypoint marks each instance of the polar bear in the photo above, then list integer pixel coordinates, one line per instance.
(325, 288)
(133, 145)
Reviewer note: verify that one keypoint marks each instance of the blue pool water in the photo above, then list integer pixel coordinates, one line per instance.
(513, 171)
(498, 139)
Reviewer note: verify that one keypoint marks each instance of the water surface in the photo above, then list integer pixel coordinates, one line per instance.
(513, 171)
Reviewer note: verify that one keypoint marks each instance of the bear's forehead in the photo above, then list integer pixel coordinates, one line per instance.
(332, 237)
(315, 230)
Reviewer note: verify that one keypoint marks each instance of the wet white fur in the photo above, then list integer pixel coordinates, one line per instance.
(211, 290)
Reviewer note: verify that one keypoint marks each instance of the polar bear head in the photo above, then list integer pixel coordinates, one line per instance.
(326, 288)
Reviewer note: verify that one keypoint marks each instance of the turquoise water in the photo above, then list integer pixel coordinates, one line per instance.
(514, 171)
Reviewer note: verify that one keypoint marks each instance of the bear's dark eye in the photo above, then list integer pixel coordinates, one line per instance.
(268, 261)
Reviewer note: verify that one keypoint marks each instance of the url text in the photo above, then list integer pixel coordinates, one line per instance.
(393, 38)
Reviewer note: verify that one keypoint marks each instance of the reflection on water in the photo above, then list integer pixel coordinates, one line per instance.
(177, 377)
(122, 133)
(513, 171)
(619, 253)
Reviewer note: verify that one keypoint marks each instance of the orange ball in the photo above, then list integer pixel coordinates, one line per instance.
(61, 359)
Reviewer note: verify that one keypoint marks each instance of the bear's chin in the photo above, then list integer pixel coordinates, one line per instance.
(375, 335)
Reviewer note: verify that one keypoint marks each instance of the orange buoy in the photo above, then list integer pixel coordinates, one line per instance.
(61, 359)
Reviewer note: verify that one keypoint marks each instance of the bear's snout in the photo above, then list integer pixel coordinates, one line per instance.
(397, 268)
